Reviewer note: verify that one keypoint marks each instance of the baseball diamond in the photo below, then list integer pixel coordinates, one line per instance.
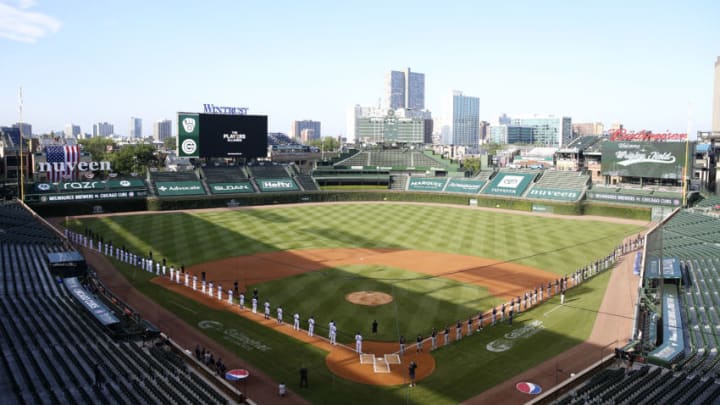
(440, 265)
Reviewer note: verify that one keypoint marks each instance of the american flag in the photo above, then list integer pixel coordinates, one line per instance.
(69, 155)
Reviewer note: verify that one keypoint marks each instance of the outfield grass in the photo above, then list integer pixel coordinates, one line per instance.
(555, 245)
(463, 369)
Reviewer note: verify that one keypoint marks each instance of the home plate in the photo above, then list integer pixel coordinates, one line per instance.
(380, 365)
(392, 359)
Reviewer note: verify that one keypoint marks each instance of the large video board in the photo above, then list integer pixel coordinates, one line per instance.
(659, 160)
(222, 135)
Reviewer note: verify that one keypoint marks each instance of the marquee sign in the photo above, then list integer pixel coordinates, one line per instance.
(624, 135)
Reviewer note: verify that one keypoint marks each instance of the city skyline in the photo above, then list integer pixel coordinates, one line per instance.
(608, 63)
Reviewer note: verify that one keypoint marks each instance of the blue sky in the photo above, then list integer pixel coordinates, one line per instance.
(645, 64)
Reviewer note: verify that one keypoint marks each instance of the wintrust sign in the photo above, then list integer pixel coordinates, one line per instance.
(217, 109)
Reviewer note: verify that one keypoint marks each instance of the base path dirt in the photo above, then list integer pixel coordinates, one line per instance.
(502, 279)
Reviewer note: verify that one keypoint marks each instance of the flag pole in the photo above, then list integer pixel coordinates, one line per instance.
(22, 177)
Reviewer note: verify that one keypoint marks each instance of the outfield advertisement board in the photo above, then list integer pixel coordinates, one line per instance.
(231, 188)
(659, 160)
(222, 135)
(170, 188)
(509, 184)
(554, 194)
(634, 199)
(126, 183)
(269, 185)
(464, 186)
(426, 184)
(108, 195)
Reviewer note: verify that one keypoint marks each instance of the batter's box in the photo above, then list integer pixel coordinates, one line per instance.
(392, 359)
(367, 358)
(380, 365)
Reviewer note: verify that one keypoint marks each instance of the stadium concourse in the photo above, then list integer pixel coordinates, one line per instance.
(66, 338)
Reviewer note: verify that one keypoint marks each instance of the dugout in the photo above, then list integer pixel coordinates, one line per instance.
(67, 264)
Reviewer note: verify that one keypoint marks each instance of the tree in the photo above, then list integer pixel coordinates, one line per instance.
(98, 147)
(327, 143)
(170, 143)
(133, 159)
(472, 164)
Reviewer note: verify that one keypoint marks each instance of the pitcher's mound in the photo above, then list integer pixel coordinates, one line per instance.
(369, 298)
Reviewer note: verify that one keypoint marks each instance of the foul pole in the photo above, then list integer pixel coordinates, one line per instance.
(22, 176)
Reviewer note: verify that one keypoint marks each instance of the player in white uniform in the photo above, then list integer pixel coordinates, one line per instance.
(267, 310)
(296, 321)
(358, 342)
(279, 316)
(254, 305)
(311, 326)
(332, 334)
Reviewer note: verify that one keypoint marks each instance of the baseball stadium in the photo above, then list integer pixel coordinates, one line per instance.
(377, 274)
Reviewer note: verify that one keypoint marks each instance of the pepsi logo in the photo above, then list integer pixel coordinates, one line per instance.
(237, 374)
(528, 388)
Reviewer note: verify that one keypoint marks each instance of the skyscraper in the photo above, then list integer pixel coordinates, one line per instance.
(299, 126)
(405, 90)
(462, 117)
(716, 98)
(135, 127)
(548, 130)
(103, 129)
(72, 131)
(162, 130)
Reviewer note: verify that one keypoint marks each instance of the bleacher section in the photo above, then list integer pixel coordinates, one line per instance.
(394, 159)
(559, 185)
(268, 171)
(177, 183)
(227, 180)
(511, 182)
(644, 385)
(484, 175)
(690, 235)
(709, 202)
(18, 225)
(306, 182)
(52, 348)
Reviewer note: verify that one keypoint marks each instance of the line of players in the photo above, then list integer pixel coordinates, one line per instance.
(492, 317)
